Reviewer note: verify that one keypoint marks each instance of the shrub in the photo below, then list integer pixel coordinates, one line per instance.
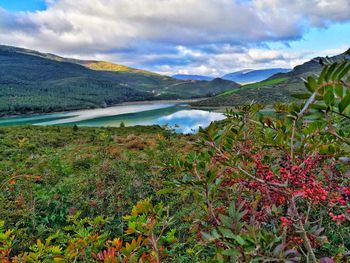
(270, 183)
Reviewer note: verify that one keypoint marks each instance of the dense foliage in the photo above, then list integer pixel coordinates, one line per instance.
(254, 188)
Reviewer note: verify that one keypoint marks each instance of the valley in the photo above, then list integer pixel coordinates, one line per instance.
(34, 82)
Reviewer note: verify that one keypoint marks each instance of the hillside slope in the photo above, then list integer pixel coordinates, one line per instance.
(251, 76)
(31, 81)
(278, 88)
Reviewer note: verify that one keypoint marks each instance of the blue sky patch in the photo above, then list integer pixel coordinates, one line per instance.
(23, 5)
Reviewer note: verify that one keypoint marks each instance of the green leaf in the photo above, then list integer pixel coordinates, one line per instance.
(227, 221)
(315, 116)
(329, 97)
(165, 191)
(211, 176)
(294, 109)
(311, 84)
(227, 233)
(344, 103)
(338, 88)
(230, 252)
(232, 210)
(344, 72)
(308, 87)
(323, 74)
(330, 71)
(339, 69)
(318, 107)
(240, 240)
(215, 234)
(301, 96)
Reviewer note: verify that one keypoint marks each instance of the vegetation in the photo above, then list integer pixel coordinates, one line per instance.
(35, 82)
(107, 66)
(252, 76)
(51, 173)
(264, 83)
(252, 188)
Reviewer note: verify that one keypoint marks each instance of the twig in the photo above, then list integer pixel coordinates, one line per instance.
(303, 233)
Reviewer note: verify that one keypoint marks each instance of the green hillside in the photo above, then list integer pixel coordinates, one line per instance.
(108, 66)
(31, 81)
(264, 83)
(278, 88)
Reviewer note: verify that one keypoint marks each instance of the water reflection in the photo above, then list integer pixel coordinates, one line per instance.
(189, 121)
(179, 117)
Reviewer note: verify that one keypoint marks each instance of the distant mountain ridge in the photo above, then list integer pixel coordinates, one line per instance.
(278, 88)
(32, 81)
(192, 77)
(251, 76)
(244, 76)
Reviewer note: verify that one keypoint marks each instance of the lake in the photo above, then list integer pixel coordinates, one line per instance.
(179, 116)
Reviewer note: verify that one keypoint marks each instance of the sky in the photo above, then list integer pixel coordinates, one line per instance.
(203, 37)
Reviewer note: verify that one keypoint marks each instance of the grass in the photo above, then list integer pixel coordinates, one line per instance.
(265, 92)
(97, 171)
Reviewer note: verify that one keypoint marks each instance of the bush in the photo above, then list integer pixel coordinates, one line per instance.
(271, 184)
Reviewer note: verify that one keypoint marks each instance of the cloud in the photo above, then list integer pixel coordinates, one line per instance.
(164, 34)
(228, 60)
(318, 13)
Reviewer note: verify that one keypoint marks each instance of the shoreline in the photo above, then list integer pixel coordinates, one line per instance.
(126, 103)
(145, 102)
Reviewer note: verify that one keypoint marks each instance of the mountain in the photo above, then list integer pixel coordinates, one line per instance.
(278, 88)
(192, 77)
(250, 76)
(193, 87)
(92, 64)
(31, 81)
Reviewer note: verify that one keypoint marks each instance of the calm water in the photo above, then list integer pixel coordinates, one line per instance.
(177, 116)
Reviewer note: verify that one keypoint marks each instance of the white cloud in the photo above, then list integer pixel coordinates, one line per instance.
(228, 61)
(171, 32)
